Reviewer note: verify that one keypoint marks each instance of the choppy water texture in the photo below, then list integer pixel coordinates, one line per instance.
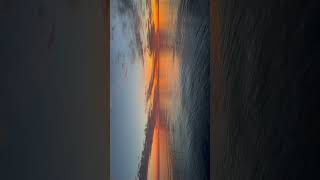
(189, 126)
(266, 90)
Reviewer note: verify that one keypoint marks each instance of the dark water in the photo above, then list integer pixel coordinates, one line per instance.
(191, 128)
(266, 100)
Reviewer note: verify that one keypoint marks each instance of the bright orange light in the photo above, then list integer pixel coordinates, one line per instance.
(155, 14)
(164, 162)
(166, 75)
(153, 168)
(164, 15)
(148, 68)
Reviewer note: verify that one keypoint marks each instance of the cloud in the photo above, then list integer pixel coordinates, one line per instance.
(125, 70)
(125, 6)
(128, 9)
(151, 39)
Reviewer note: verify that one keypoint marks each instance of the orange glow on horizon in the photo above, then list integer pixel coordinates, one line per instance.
(166, 76)
(155, 14)
(153, 168)
(159, 166)
(151, 68)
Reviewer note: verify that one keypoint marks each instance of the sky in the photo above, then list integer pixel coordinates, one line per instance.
(128, 115)
(135, 43)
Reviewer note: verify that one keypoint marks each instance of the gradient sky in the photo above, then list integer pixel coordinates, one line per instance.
(128, 117)
(135, 26)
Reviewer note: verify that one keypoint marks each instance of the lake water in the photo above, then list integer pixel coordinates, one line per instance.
(188, 113)
(265, 96)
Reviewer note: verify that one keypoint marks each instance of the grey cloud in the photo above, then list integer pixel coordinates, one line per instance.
(129, 10)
